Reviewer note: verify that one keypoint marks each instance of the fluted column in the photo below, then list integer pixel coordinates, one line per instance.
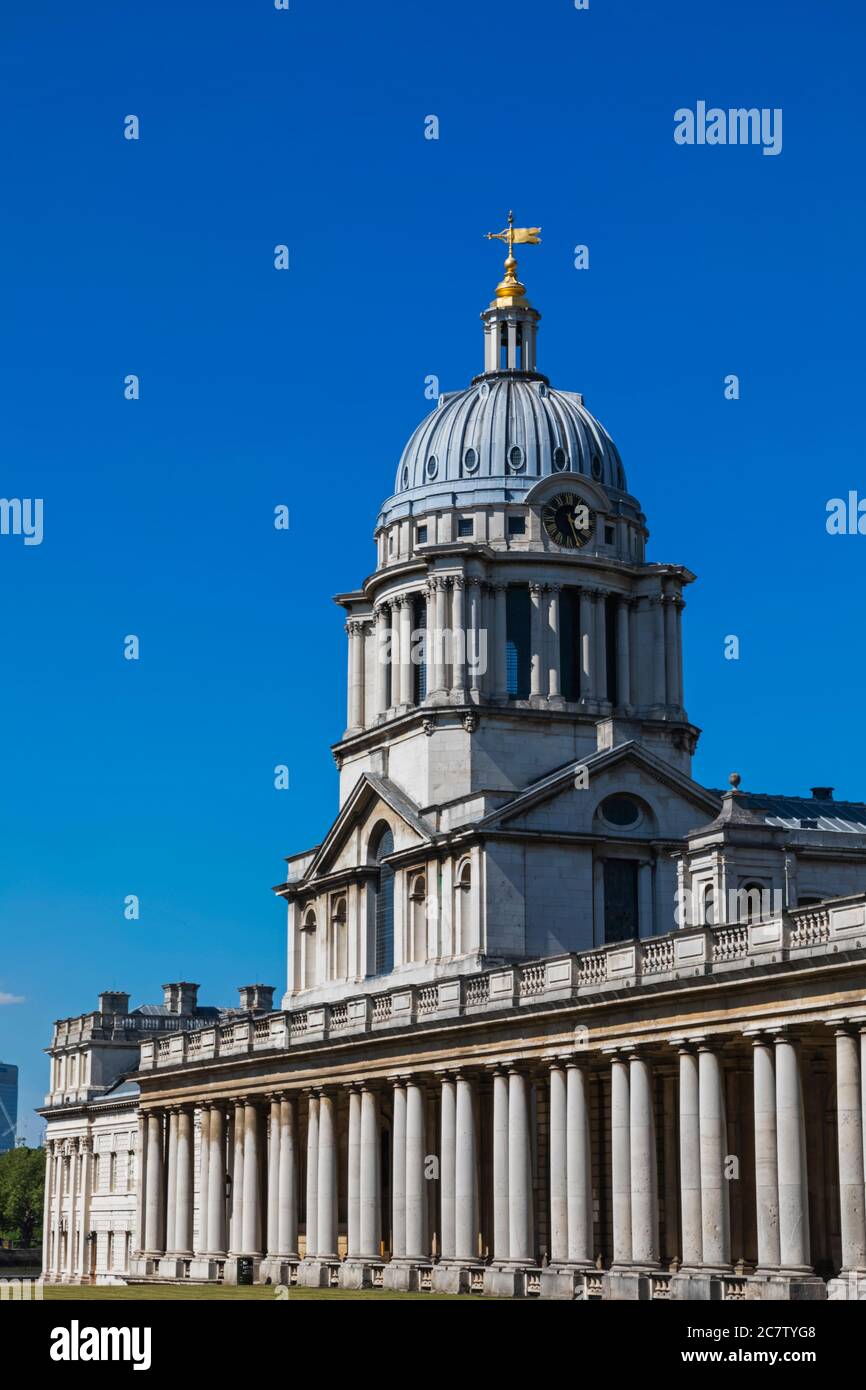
(601, 647)
(355, 629)
(312, 1239)
(715, 1214)
(766, 1155)
(690, 1160)
(658, 627)
(670, 613)
(185, 1183)
(154, 1236)
(353, 1177)
(437, 638)
(554, 684)
(382, 658)
(171, 1179)
(477, 640)
(644, 1194)
(407, 691)
(791, 1136)
(447, 1167)
(587, 660)
(578, 1166)
(458, 639)
(623, 656)
(371, 1181)
(252, 1227)
(536, 641)
(416, 1195)
(287, 1217)
(203, 1178)
(500, 691)
(237, 1230)
(679, 697)
(465, 1174)
(85, 1145)
(432, 647)
(327, 1183)
(520, 1224)
(621, 1161)
(849, 1113)
(273, 1186)
(501, 1236)
(398, 1175)
(216, 1203)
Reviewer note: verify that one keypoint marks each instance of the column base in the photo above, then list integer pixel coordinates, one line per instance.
(140, 1266)
(454, 1277)
(626, 1285)
(849, 1286)
(564, 1281)
(315, 1273)
(362, 1274)
(170, 1267)
(406, 1276)
(505, 1281)
(206, 1267)
(698, 1286)
(786, 1286)
(242, 1269)
(278, 1269)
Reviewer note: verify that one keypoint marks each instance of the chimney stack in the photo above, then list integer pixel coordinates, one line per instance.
(180, 998)
(113, 1001)
(822, 793)
(257, 999)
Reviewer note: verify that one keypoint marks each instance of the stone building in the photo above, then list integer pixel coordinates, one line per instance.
(559, 1020)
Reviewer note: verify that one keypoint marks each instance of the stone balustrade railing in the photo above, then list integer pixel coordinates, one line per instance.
(836, 926)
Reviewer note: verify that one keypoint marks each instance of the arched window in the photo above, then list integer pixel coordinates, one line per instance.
(708, 914)
(462, 905)
(750, 902)
(339, 941)
(418, 918)
(380, 849)
(308, 949)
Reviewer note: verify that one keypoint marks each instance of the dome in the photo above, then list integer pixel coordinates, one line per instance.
(510, 428)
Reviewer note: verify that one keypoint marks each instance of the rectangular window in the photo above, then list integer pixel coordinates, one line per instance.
(465, 526)
(609, 535)
(620, 900)
(610, 605)
(419, 648)
(517, 654)
(517, 526)
(569, 643)
(422, 535)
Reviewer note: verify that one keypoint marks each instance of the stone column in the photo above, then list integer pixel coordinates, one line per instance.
(587, 662)
(634, 697)
(690, 1161)
(85, 1145)
(623, 656)
(394, 663)
(203, 1179)
(154, 1217)
(520, 1224)
(715, 1215)
(171, 1179)
(382, 659)
(554, 683)
(849, 1111)
(141, 1190)
(658, 621)
(558, 1165)
(398, 1174)
(185, 1183)
(353, 1177)
(355, 629)
(791, 1138)
(371, 1181)
(74, 1174)
(766, 1156)
(476, 643)
(621, 1161)
(273, 1188)
(438, 638)
(459, 691)
(679, 697)
(432, 650)
(49, 1205)
(578, 1166)
(600, 606)
(465, 1173)
(407, 691)
(252, 1227)
(416, 1194)
(500, 683)
(671, 650)
(237, 1236)
(536, 640)
(216, 1199)
(501, 1237)
(327, 1182)
(447, 1167)
(312, 1240)
(644, 1194)
(287, 1202)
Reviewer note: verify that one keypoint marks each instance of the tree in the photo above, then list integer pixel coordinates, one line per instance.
(22, 1182)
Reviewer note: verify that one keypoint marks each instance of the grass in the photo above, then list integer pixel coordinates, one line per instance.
(254, 1293)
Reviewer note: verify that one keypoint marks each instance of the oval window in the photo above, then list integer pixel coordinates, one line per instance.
(432, 466)
(560, 459)
(596, 465)
(516, 458)
(470, 460)
(405, 475)
(620, 810)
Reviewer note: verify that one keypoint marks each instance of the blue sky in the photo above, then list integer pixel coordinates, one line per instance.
(260, 387)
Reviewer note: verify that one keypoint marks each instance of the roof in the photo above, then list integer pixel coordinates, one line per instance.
(162, 1011)
(789, 812)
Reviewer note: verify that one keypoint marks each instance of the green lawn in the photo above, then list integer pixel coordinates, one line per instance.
(256, 1293)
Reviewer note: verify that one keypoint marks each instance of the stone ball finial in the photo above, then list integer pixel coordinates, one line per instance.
(735, 779)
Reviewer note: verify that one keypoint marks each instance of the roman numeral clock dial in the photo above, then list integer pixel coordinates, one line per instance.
(568, 521)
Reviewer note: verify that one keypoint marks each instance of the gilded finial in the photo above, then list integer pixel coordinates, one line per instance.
(509, 289)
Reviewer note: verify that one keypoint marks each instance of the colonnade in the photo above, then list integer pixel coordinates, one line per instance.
(465, 623)
(550, 1166)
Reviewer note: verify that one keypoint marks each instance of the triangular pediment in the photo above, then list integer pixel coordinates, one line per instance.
(373, 800)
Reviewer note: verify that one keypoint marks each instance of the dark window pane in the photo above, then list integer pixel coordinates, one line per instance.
(517, 655)
(620, 899)
(419, 647)
(610, 643)
(569, 643)
(385, 908)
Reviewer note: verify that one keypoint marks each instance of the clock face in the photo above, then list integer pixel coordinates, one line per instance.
(568, 520)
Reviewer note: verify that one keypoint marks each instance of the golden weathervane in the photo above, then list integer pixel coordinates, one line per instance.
(510, 288)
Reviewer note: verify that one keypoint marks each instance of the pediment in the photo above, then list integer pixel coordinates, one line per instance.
(374, 801)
